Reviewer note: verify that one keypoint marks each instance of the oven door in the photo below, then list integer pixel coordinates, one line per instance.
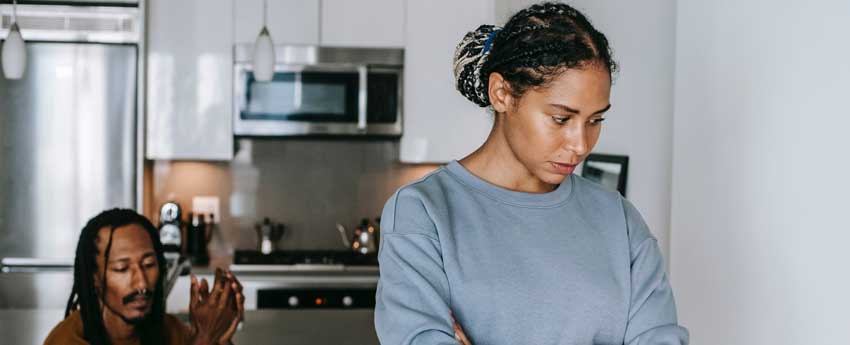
(317, 100)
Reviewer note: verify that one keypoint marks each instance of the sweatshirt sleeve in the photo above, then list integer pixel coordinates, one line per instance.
(652, 310)
(412, 301)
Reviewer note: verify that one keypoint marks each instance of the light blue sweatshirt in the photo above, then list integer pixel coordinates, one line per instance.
(577, 265)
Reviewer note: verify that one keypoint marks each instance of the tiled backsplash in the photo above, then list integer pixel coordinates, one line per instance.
(308, 185)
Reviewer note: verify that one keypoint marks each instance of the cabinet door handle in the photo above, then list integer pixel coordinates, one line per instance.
(363, 72)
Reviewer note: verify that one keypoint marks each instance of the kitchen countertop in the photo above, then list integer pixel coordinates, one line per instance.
(300, 269)
(268, 326)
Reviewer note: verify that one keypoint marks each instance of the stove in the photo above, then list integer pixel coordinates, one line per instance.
(305, 257)
(308, 279)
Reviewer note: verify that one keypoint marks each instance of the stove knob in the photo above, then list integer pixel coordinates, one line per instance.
(347, 301)
(293, 301)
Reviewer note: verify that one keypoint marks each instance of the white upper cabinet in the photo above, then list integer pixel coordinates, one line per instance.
(440, 124)
(189, 78)
(364, 23)
(289, 21)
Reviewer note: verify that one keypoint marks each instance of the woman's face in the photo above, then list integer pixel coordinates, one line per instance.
(552, 129)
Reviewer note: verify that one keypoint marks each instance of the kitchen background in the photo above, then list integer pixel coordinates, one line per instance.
(308, 185)
(730, 111)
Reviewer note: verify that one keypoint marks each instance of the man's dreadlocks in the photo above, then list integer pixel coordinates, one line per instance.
(85, 296)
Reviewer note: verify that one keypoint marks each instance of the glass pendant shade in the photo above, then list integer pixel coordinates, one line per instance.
(264, 56)
(14, 55)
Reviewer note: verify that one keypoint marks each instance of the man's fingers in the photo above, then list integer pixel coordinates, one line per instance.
(225, 296)
(220, 278)
(231, 330)
(232, 303)
(219, 274)
(217, 292)
(232, 277)
(193, 294)
(240, 304)
(204, 290)
(240, 310)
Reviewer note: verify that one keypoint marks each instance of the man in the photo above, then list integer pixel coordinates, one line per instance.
(118, 296)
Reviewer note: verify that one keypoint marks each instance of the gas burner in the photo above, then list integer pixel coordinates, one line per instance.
(304, 257)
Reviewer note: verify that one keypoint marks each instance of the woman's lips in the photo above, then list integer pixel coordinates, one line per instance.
(564, 169)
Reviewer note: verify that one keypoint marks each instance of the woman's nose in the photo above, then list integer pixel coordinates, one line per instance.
(576, 140)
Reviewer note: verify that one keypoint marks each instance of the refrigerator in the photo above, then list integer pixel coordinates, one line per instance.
(67, 151)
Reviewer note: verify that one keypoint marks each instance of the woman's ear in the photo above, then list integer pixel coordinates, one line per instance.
(499, 91)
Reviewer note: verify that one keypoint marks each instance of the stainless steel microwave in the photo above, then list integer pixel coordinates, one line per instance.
(320, 91)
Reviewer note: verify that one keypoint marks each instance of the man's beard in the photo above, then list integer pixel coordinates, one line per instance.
(136, 321)
(127, 300)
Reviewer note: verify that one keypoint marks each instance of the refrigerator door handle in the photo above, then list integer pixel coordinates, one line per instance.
(34, 265)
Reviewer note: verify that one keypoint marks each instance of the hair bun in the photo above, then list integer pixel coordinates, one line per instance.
(469, 56)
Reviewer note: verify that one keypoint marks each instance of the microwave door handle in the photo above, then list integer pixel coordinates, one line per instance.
(361, 98)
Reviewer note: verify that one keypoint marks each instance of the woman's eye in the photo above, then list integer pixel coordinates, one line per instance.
(150, 265)
(560, 120)
(597, 122)
(119, 269)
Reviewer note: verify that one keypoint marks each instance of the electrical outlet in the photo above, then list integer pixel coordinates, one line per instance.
(206, 205)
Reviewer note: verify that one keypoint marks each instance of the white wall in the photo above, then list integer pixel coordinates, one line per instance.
(639, 124)
(760, 171)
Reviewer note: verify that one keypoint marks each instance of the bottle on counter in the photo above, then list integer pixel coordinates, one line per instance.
(197, 240)
(189, 236)
(218, 247)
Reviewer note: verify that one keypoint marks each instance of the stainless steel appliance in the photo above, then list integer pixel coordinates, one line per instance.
(68, 139)
(364, 239)
(308, 279)
(170, 226)
(316, 298)
(320, 91)
(318, 259)
(268, 235)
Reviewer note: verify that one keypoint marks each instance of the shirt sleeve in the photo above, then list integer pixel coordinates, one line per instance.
(652, 310)
(412, 301)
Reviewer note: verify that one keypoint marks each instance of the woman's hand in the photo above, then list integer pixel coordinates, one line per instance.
(459, 335)
(213, 314)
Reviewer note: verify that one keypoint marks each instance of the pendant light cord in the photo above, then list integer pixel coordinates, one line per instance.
(14, 11)
(265, 12)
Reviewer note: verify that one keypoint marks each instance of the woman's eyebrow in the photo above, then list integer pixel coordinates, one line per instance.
(575, 111)
(600, 111)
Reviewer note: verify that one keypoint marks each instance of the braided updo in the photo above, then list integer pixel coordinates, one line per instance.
(536, 45)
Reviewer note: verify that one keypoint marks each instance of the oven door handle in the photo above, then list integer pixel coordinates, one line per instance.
(363, 73)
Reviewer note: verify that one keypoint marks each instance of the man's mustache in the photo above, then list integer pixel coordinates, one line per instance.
(145, 294)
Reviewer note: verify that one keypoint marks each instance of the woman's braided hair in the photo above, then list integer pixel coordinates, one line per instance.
(537, 44)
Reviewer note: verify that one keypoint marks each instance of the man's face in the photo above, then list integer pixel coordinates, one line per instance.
(131, 272)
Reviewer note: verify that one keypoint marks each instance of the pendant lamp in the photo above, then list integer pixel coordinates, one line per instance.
(14, 54)
(264, 56)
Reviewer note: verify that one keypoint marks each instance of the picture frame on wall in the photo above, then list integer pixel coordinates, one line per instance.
(611, 171)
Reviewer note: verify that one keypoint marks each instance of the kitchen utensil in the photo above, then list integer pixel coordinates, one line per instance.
(364, 239)
(170, 233)
(268, 234)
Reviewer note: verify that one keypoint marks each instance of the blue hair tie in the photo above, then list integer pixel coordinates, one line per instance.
(489, 41)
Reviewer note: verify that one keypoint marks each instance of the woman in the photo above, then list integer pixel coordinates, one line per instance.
(507, 241)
